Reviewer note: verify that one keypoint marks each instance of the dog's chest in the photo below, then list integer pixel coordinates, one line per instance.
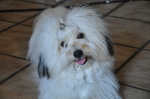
(77, 87)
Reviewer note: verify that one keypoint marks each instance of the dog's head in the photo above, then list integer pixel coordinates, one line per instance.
(69, 39)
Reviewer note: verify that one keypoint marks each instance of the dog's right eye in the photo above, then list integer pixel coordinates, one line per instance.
(62, 44)
(80, 36)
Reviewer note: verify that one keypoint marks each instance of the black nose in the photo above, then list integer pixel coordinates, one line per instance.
(78, 53)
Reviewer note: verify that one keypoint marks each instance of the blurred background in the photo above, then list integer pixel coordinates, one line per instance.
(129, 24)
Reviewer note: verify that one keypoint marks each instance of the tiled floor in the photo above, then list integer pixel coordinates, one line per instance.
(129, 23)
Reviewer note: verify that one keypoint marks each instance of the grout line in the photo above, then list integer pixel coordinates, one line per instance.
(130, 46)
(146, 49)
(18, 23)
(128, 19)
(8, 28)
(15, 22)
(29, 18)
(114, 9)
(131, 57)
(15, 73)
(13, 56)
(126, 45)
(21, 10)
(135, 87)
(7, 21)
(26, 25)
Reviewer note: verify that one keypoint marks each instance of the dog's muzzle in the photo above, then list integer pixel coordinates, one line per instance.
(78, 54)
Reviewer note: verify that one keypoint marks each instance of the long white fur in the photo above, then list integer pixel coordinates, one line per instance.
(69, 80)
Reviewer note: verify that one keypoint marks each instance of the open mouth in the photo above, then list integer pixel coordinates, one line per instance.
(81, 61)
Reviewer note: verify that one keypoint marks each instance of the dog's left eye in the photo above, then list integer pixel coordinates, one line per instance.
(62, 44)
(80, 36)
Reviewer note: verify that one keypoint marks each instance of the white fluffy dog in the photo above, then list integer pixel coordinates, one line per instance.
(74, 55)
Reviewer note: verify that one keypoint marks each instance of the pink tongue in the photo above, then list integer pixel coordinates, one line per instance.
(82, 61)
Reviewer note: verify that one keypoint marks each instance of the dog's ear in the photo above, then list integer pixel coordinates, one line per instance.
(42, 68)
(109, 45)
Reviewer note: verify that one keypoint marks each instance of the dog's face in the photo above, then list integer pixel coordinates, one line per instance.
(79, 41)
(80, 48)
(74, 46)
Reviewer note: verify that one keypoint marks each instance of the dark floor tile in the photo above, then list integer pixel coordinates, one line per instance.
(128, 32)
(136, 72)
(132, 93)
(15, 41)
(30, 21)
(147, 47)
(139, 10)
(18, 16)
(5, 25)
(9, 65)
(18, 4)
(21, 86)
(122, 53)
(105, 8)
